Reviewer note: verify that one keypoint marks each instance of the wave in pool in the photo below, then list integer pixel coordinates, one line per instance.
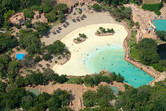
(111, 58)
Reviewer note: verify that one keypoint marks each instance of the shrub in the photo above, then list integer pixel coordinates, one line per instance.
(28, 23)
(17, 26)
(96, 7)
(153, 7)
(46, 57)
(38, 58)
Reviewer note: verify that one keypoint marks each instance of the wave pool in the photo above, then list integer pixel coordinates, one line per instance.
(111, 58)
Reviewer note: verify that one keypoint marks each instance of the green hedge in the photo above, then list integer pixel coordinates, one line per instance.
(153, 7)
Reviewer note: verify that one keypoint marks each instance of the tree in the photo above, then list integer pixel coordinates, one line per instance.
(37, 8)
(61, 7)
(42, 28)
(4, 62)
(41, 101)
(89, 98)
(28, 13)
(28, 61)
(63, 96)
(36, 78)
(38, 58)
(49, 74)
(143, 98)
(97, 79)
(161, 35)
(127, 13)
(2, 87)
(7, 14)
(13, 69)
(27, 102)
(46, 8)
(61, 16)
(52, 16)
(28, 23)
(14, 97)
(20, 82)
(54, 104)
(30, 41)
(105, 92)
(147, 50)
(46, 57)
(119, 78)
(56, 48)
(7, 42)
(62, 79)
(96, 7)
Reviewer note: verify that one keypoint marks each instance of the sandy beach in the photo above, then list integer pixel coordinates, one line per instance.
(78, 65)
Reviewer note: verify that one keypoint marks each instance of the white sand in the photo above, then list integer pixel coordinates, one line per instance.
(75, 66)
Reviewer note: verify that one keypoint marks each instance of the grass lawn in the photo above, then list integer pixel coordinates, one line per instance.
(151, 1)
(132, 44)
(74, 80)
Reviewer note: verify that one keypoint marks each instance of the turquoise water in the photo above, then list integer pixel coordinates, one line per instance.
(114, 89)
(20, 56)
(160, 24)
(111, 58)
(36, 92)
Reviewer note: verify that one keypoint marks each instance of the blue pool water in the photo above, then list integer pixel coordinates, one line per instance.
(112, 59)
(20, 56)
(160, 24)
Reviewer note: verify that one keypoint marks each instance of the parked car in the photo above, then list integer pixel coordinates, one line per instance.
(50, 61)
(78, 19)
(40, 65)
(67, 23)
(43, 68)
(57, 31)
(54, 33)
(48, 65)
(59, 28)
(73, 20)
(64, 26)
(84, 16)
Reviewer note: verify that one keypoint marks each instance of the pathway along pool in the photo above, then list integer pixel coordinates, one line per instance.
(160, 24)
(112, 59)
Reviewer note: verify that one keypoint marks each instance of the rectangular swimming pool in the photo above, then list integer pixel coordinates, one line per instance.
(20, 56)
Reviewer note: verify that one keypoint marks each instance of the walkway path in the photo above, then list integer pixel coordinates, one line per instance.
(160, 77)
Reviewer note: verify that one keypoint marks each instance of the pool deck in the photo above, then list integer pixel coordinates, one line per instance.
(129, 59)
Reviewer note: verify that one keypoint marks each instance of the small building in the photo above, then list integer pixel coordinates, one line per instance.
(39, 17)
(17, 18)
(36, 15)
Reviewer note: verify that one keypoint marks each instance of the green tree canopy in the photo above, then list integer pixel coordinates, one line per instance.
(28, 13)
(56, 48)
(42, 28)
(147, 50)
(30, 41)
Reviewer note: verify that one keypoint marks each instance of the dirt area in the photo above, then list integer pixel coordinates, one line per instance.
(151, 1)
(153, 36)
(76, 90)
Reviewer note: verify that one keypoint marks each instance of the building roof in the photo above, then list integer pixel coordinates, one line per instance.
(17, 18)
